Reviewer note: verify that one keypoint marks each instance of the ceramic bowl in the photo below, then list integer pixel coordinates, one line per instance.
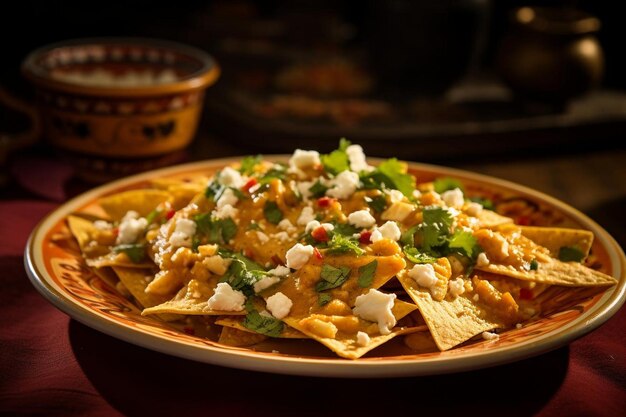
(120, 97)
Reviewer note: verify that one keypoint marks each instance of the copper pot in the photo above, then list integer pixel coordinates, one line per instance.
(551, 54)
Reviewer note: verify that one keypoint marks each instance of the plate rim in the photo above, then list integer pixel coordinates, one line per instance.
(609, 303)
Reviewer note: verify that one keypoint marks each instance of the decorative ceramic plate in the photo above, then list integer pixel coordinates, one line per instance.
(57, 270)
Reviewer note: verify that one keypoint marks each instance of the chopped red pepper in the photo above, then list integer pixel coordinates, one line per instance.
(320, 234)
(365, 237)
(251, 183)
(318, 254)
(189, 330)
(525, 294)
(276, 259)
(523, 220)
(325, 201)
(115, 231)
(170, 213)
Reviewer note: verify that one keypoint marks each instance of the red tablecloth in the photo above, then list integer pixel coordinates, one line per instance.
(51, 365)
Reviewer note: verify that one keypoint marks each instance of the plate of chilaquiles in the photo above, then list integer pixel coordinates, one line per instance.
(328, 265)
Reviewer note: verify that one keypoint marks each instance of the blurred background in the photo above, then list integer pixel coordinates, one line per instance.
(503, 87)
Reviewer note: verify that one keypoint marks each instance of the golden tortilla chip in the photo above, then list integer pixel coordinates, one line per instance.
(237, 323)
(231, 336)
(192, 299)
(136, 281)
(141, 201)
(345, 343)
(182, 192)
(451, 321)
(554, 238)
(107, 275)
(554, 272)
(490, 219)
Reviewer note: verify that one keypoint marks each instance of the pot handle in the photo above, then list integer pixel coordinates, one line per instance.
(12, 141)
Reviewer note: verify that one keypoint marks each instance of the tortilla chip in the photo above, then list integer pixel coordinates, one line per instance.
(141, 201)
(451, 321)
(490, 219)
(182, 192)
(554, 272)
(346, 346)
(192, 299)
(107, 275)
(135, 281)
(554, 238)
(238, 338)
(237, 323)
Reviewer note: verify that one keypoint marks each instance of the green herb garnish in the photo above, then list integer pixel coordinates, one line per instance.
(534, 265)
(417, 257)
(463, 243)
(340, 244)
(136, 252)
(269, 326)
(272, 212)
(390, 174)
(215, 230)
(332, 277)
(366, 274)
(318, 189)
(485, 202)
(324, 299)
(446, 183)
(435, 227)
(337, 161)
(377, 203)
(571, 254)
(248, 163)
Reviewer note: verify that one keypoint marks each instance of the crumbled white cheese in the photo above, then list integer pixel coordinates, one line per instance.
(304, 188)
(482, 260)
(473, 208)
(231, 178)
(131, 227)
(281, 236)
(279, 271)
(183, 233)
(361, 219)
(389, 230)
(394, 195)
(314, 224)
(376, 306)
(343, 185)
(263, 238)
(225, 212)
(265, 283)
(453, 198)
(456, 286)
(417, 194)
(279, 305)
(102, 225)
(226, 298)
(306, 215)
(228, 197)
(490, 336)
(362, 339)
(424, 275)
(286, 225)
(356, 156)
(304, 159)
(299, 255)
(519, 326)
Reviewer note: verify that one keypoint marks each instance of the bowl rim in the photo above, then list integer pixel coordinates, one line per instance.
(200, 79)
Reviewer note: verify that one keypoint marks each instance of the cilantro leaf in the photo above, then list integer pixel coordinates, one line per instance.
(344, 229)
(318, 189)
(214, 191)
(136, 252)
(332, 277)
(248, 163)
(215, 230)
(390, 174)
(240, 278)
(340, 244)
(396, 171)
(337, 161)
(153, 215)
(272, 212)
(571, 254)
(249, 263)
(366, 274)
(417, 257)
(463, 242)
(408, 237)
(324, 299)
(278, 171)
(534, 265)
(446, 183)
(267, 325)
(485, 202)
(435, 227)
(377, 203)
